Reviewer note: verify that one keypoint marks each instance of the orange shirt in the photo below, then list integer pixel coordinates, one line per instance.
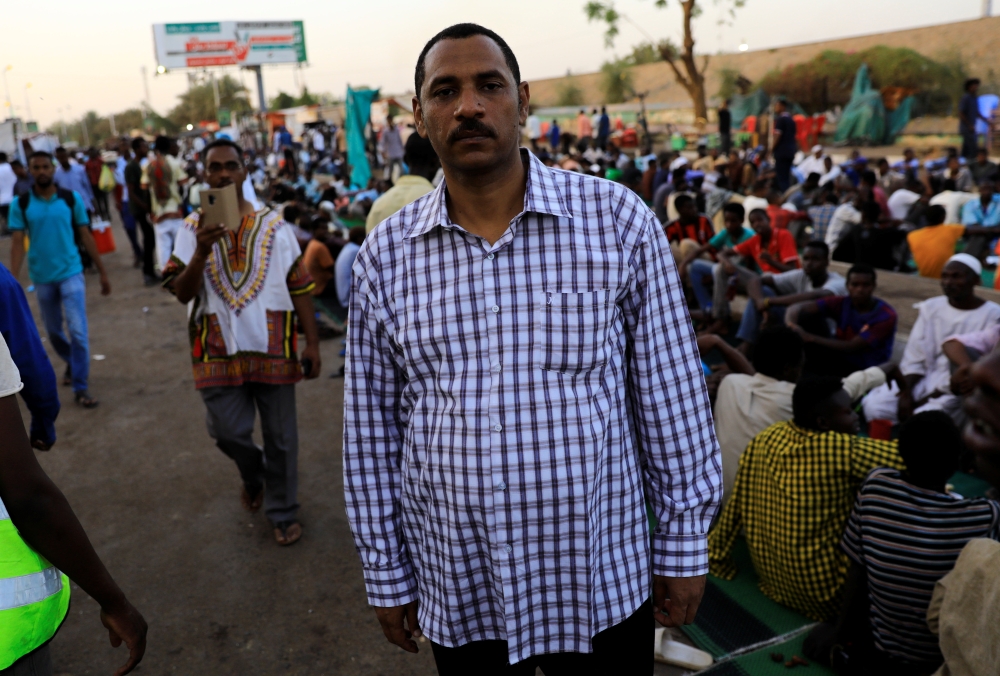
(319, 263)
(781, 247)
(933, 246)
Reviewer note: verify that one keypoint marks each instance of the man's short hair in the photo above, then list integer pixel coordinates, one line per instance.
(936, 214)
(862, 269)
(16, 163)
(40, 153)
(930, 444)
(162, 144)
(760, 212)
(222, 143)
(419, 152)
(971, 81)
(137, 141)
(734, 208)
(682, 201)
(778, 348)
(811, 392)
(60, 149)
(458, 32)
(3, 157)
(356, 234)
(872, 211)
(819, 245)
(813, 177)
(291, 214)
(868, 176)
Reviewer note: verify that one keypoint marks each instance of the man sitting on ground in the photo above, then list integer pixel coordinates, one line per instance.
(873, 241)
(964, 350)
(934, 244)
(699, 271)
(771, 294)
(794, 490)
(905, 533)
(865, 327)
(926, 369)
(981, 218)
(690, 231)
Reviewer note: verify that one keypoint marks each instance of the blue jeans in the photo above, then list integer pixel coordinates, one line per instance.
(750, 323)
(699, 271)
(69, 296)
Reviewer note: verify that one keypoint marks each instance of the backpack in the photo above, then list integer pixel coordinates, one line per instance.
(160, 177)
(66, 196)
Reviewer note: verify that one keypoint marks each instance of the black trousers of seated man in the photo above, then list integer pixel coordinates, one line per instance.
(624, 649)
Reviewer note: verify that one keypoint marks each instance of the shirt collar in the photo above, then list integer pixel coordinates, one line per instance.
(541, 196)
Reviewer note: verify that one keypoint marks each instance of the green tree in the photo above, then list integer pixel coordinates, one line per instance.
(682, 60)
(616, 81)
(569, 94)
(281, 101)
(197, 104)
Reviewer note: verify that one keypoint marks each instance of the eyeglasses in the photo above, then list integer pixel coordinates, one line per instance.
(216, 167)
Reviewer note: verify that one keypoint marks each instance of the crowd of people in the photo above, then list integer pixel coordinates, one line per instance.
(540, 346)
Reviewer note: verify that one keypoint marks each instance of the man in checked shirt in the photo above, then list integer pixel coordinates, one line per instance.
(521, 378)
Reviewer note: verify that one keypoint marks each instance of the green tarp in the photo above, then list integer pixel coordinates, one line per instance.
(865, 119)
(359, 105)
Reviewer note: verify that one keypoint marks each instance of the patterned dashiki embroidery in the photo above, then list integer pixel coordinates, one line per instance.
(236, 279)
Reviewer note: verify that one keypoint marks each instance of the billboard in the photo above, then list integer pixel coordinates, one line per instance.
(228, 43)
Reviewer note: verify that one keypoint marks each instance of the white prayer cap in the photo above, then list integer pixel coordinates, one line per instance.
(327, 206)
(678, 163)
(968, 261)
(817, 149)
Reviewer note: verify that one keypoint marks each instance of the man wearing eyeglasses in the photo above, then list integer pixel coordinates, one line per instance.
(245, 288)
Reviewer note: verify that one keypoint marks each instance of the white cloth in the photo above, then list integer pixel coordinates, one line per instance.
(8, 179)
(751, 202)
(812, 165)
(797, 281)
(678, 162)
(119, 172)
(166, 232)
(318, 142)
(936, 322)
(10, 377)
(534, 126)
(840, 224)
(952, 201)
(900, 203)
(746, 405)
(831, 175)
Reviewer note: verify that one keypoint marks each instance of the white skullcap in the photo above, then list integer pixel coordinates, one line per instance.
(678, 163)
(968, 261)
(817, 149)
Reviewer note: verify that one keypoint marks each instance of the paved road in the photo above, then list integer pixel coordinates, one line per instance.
(161, 505)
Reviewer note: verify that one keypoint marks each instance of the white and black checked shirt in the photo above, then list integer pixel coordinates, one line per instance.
(509, 408)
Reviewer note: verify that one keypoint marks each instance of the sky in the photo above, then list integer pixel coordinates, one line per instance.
(80, 56)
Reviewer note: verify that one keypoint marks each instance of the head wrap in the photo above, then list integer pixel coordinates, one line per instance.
(968, 261)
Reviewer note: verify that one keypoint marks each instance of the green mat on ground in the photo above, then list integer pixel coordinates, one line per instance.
(759, 662)
(969, 486)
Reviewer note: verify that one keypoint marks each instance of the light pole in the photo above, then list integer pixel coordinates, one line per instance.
(6, 90)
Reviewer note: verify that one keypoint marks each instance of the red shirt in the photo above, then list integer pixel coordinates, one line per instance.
(701, 231)
(781, 247)
(780, 218)
(93, 167)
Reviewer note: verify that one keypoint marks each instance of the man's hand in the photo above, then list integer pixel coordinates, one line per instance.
(391, 620)
(105, 284)
(682, 270)
(961, 380)
(312, 354)
(676, 599)
(768, 258)
(126, 624)
(208, 235)
(904, 409)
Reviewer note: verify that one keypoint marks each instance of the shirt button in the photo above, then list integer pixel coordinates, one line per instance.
(496, 369)
(502, 486)
(498, 428)
(490, 256)
(496, 308)
(508, 549)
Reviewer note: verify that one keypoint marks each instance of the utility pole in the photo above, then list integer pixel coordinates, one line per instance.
(215, 92)
(260, 88)
(145, 86)
(987, 8)
(111, 119)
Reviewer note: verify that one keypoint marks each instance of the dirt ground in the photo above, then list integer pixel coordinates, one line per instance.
(161, 505)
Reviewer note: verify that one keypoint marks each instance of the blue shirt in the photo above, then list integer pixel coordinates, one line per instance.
(973, 214)
(75, 178)
(52, 256)
(18, 329)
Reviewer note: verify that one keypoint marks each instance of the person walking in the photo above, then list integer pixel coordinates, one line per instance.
(725, 127)
(44, 547)
(391, 146)
(122, 202)
(785, 145)
(603, 129)
(162, 177)
(50, 216)
(505, 423)
(139, 206)
(968, 116)
(93, 166)
(72, 176)
(245, 288)
(8, 180)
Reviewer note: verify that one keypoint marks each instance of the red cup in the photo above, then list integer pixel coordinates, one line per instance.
(880, 429)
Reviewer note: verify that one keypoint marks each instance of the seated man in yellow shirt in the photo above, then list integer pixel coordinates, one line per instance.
(934, 244)
(794, 490)
(423, 163)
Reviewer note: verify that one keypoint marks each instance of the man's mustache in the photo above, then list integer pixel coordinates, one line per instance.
(471, 127)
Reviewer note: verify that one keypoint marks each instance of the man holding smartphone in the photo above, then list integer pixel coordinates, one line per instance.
(245, 285)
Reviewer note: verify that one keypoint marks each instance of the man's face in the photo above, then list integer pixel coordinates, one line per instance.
(838, 416)
(779, 107)
(957, 281)
(981, 157)
(827, 163)
(20, 171)
(42, 170)
(469, 106)
(974, 88)
(760, 223)
(688, 212)
(860, 288)
(814, 262)
(224, 166)
(908, 154)
(143, 150)
(62, 157)
(734, 224)
(986, 189)
(818, 154)
(982, 434)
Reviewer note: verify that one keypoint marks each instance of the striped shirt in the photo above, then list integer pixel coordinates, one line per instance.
(508, 407)
(908, 538)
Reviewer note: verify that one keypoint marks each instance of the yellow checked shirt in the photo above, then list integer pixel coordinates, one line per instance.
(794, 491)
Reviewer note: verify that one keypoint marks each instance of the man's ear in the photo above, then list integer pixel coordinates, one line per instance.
(418, 118)
(523, 99)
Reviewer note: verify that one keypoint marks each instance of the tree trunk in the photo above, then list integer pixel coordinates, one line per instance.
(693, 80)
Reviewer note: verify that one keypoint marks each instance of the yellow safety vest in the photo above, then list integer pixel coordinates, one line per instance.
(34, 595)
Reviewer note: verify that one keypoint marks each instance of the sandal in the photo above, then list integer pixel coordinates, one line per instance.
(252, 503)
(287, 532)
(84, 399)
(67, 378)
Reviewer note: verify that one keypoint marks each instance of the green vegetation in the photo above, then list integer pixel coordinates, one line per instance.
(616, 81)
(569, 94)
(283, 100)
(826, 80)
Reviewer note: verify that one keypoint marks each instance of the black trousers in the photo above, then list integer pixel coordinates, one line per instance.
(623, 649)
(148, 243)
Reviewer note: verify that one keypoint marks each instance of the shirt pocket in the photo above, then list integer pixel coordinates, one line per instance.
(572, 331)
